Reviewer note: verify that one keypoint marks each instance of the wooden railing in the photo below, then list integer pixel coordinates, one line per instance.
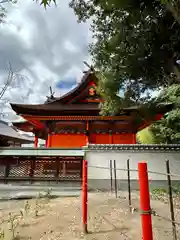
(33, 168)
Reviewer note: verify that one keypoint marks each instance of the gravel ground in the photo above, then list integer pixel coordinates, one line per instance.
(60, 218)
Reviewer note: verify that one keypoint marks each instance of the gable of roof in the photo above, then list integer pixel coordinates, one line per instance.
(87, 77)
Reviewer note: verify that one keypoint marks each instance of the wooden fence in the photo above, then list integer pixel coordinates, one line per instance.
(40, 168)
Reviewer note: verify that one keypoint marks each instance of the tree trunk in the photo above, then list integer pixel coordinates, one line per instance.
(174, 10)
(177, 73)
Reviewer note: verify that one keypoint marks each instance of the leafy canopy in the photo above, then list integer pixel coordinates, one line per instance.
(146, 136)
(46, 3)
(167, 130)
(3, 10)
(136, 43)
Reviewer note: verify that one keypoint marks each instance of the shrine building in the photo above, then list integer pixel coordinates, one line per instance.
(74, 120)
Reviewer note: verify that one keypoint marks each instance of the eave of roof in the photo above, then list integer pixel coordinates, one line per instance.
(56, 110)
(75, 109)
(10, 133)
(16, 139)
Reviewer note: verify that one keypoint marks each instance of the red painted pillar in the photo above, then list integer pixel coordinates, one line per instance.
(49, 140)
(35, 141)
(87, 133)
(84, 196)
(145, 202)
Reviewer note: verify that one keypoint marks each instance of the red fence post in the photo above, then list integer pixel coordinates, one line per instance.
(145, 202)
(84, 196)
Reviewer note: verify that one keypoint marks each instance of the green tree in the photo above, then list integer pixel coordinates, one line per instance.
(167, 130)
(146, 136)
(174, 7)
(3, 10)
(136, 42)
(46, 3)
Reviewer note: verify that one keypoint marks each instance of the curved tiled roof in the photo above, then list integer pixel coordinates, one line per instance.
(8, 132)
(64, 105)
(84, 81)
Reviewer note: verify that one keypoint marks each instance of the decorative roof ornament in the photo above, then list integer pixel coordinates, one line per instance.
(50, 98)
(91, 68)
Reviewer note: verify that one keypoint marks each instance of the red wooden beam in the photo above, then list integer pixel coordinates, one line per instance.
(148, 123)
(34, 122)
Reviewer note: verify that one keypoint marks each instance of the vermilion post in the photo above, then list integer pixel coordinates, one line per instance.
(49, 140)
(84, 196)
(87, 133)
(146, 220)
(35, 141)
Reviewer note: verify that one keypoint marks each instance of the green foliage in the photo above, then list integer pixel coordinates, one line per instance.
(146, 136)
(176, 189)
(167, 130)
(112, 101)
(136, 43)
(110, 106)
(163, 191)
(174, 7)
(3, 10)
(48, 193)
(159, 191)
(46, 3)
(2, 14)
(17, 220)
(2, 234)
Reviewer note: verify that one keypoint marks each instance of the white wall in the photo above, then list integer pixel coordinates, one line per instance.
(154, 156)
(156, 162)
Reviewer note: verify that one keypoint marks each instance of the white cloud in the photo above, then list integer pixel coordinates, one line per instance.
(70, 47)
(43, 45)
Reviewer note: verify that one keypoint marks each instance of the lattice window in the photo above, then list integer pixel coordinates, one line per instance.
(20, 170)
(44, 168)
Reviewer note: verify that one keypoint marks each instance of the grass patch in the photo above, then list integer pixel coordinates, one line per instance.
(10, 227)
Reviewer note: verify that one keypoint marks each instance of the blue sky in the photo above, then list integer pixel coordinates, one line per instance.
(46, 47)
(66, 83)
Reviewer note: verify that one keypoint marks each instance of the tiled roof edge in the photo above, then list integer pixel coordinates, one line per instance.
(135, 147)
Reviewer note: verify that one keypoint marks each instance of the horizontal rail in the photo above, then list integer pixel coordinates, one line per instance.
(41, 152)
(39, 179)
(136, 170)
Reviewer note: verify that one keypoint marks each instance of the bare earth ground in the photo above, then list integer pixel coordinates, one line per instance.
(60, 218)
